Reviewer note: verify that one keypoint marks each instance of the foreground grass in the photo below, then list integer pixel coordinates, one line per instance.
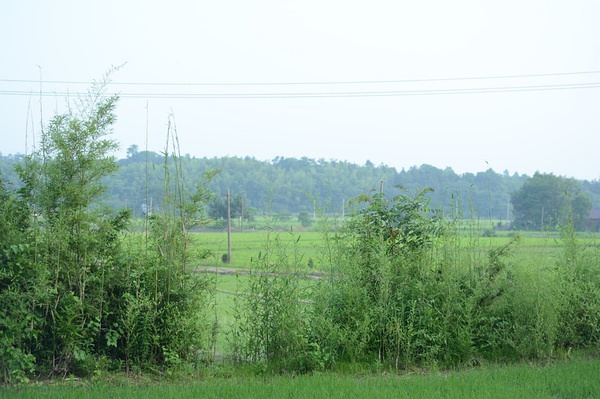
(578, 378)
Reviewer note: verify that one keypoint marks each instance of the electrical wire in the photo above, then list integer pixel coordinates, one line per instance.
(342, 94)
(535, 75)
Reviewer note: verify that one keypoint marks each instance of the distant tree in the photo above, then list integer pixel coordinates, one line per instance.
(305, 219)
(581, 205)
(7, 167)
(132, 151)
(546, 201)
(217, 209)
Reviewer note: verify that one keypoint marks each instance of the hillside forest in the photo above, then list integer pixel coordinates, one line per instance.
(285, 187)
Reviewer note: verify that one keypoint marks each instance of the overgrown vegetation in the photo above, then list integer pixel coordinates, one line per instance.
(73, 298)
(397, 286)
(402, 291)
(272, 327)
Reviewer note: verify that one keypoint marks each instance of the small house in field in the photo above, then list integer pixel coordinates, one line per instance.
(594, 220)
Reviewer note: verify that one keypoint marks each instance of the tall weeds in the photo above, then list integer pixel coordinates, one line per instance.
(578, 273)
(165, 317)
(78, 293)
(272, 326)
(404, 287)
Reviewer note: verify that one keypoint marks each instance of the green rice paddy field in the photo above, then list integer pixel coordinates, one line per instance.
(533, 247)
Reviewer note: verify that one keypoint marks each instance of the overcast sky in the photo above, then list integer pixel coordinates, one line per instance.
(393, 82)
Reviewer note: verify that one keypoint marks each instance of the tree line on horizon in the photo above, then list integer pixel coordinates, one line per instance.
(286, 186)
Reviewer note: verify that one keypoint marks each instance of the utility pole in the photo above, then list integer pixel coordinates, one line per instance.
(228, 227)
(381, 187)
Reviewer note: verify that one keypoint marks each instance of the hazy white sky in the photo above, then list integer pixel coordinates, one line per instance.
(399, 123)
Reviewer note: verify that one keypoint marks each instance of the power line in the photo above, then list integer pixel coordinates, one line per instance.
(342, 94)
(492, 77)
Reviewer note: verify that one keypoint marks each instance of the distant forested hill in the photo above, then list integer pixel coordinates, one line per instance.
(293, 185)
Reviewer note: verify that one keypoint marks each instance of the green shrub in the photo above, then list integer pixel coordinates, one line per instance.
(71, 294)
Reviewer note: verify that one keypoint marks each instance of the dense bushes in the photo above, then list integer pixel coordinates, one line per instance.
(401, 290)
(389, 297)
(78, 294)
(21, 286)
(578, 276)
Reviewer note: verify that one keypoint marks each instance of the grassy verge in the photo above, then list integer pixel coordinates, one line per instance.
(579, 378)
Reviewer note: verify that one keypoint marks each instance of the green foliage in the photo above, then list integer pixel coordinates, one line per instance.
(545, 201)
(19, 282)
(79, 294)
(288, 184)
(305, 219)
(23, 288)
(502, 312)
(273, 323)
(71, 294)
(578, 271)
(164, 305)
(73, 239)
(217, 208)
(404, 292)
(285, 182)
(376, 307)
